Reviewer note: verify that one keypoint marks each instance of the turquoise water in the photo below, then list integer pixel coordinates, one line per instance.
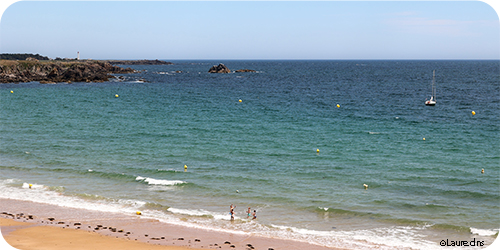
(81, 144)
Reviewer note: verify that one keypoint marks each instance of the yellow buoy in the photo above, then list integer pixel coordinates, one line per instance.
(30, 185)
(12, 91)
(240, 100)
(138, 213)
(317, 150)
(473, 112)
(338, 105)
(424, 138)
(185, 168)
(116, 95)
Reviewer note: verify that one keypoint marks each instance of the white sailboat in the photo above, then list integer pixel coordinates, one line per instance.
(432, 101)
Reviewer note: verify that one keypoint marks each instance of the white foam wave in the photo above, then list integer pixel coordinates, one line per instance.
(152, 181)
(32, 186)
(201, 212)
(42, 194)
(483, 232)
(380, 238)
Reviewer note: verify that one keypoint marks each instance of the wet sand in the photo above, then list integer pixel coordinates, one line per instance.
(29, 225)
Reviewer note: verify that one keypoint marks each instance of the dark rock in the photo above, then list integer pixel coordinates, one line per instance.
(227, 242)
(180, 239)
(221, 68)
(51, 219)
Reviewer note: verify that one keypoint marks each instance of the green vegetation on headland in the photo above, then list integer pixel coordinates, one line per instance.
(24, 56)
(15, 71)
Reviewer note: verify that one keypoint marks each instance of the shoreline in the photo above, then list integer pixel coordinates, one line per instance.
(29, 219)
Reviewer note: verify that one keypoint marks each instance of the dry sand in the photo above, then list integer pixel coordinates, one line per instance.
(24, 235)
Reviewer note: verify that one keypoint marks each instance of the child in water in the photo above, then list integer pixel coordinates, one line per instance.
(254, 214)
(249, 213)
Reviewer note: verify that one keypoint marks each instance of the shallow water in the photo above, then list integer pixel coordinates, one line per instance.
(81, 146)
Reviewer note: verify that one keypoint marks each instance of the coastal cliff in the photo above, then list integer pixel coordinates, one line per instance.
(29, 70)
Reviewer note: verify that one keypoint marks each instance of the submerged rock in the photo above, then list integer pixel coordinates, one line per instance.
(245, 70)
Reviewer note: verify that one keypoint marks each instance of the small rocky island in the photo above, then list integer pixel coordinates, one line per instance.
(221, 68)
(15, 71)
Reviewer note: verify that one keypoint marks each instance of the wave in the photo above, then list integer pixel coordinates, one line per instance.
(54, 196)
(152, 181)
(201, 213)
(33, 186)
(400, 237)
(484, 232)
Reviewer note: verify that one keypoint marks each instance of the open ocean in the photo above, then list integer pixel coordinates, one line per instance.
(80, 146)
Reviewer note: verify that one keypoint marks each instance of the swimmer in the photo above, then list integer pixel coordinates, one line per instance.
(249, 213)
(254, 214)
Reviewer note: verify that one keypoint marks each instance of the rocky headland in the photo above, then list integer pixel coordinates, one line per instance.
(14, 71)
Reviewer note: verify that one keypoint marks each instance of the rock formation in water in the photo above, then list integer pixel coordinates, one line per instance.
(221, 68)
(245, 70)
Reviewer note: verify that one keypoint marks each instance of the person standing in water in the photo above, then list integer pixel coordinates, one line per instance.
(231, 211)
(249, 213)
(254, 214)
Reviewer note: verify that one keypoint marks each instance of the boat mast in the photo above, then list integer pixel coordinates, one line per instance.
(433, 84)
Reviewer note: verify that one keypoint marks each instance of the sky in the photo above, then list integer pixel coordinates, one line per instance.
(187, 30)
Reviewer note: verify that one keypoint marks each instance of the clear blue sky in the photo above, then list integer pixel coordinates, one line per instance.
(253, 30)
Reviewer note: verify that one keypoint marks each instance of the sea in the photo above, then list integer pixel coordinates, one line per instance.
(296, 141)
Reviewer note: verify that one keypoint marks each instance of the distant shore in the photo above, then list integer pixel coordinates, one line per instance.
(25, 224)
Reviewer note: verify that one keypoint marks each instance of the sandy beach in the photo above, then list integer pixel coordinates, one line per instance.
(29, 225)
